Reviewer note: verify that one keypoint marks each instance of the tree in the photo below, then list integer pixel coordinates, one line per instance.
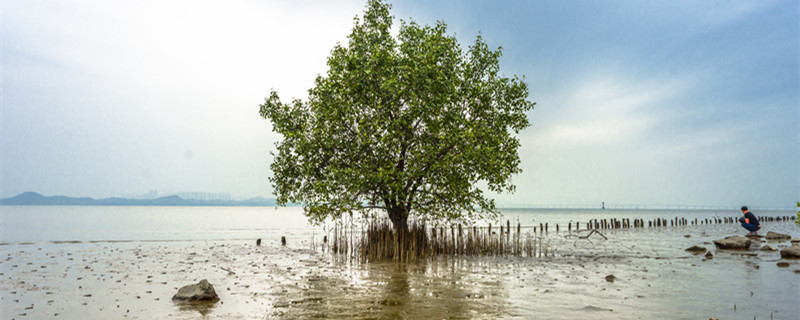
(410, 125)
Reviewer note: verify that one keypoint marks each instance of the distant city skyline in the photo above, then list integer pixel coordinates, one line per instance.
(675, 102)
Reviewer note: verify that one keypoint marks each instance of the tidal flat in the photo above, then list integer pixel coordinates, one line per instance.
(653, 278)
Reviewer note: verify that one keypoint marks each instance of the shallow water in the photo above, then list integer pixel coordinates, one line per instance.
(135, 274)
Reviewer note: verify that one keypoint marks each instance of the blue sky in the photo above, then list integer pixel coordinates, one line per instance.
(638, 102)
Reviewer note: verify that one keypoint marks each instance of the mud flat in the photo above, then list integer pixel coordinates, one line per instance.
(653, 278)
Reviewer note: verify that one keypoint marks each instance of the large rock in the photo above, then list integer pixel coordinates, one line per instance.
(201, 291)
(733, 242)
(792, 252)
(777, 236)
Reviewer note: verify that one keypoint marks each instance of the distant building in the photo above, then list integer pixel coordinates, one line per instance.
(205, 196)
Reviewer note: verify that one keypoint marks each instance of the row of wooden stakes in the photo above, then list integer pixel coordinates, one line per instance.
(379, 240)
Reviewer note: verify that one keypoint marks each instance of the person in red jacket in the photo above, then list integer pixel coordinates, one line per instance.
(749, 221)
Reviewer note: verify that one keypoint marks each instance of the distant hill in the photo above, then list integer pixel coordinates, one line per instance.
(36, 199)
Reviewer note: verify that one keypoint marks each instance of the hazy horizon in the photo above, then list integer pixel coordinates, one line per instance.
(595, 206)
(680, 102)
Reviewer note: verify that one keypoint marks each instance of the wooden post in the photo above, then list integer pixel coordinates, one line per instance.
(508, 227)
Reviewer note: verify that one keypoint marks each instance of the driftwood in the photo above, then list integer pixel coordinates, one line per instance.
(593, 231)
(226, 269)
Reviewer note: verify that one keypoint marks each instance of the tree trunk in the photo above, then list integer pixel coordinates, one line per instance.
(399, 217)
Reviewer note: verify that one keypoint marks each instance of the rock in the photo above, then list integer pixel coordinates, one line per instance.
(593, 308)
(783, 264)
(792, 252)
(768, 248)
(696, 249)
(733, 242)
(709, 255)
(610, 278)
(777, 236)
(201, 291)
(754, 236)
(796, 242)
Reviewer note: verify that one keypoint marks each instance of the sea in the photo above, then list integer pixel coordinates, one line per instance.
(156, 223)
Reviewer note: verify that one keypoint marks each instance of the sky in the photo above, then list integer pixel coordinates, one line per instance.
(637, 102)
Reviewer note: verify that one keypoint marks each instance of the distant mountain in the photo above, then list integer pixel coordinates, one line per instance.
(35, 199)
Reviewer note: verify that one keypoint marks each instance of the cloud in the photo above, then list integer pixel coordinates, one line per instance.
(605, 109)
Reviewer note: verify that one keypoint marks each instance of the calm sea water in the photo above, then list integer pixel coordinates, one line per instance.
(121, 223)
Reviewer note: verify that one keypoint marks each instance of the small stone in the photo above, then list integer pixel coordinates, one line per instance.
(696, 249)
(783, 264)
(610, 278)
(768, 248)
(709, 255)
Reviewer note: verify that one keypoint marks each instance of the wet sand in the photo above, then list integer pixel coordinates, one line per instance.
(654, 278)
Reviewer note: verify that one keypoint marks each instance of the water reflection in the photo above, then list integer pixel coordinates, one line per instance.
(449, 288)
(204, 308)
(396, 293)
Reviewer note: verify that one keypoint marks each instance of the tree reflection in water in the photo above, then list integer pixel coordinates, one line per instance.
(449, 288)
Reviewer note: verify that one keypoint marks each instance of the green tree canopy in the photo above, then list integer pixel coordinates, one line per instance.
(411, 125)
